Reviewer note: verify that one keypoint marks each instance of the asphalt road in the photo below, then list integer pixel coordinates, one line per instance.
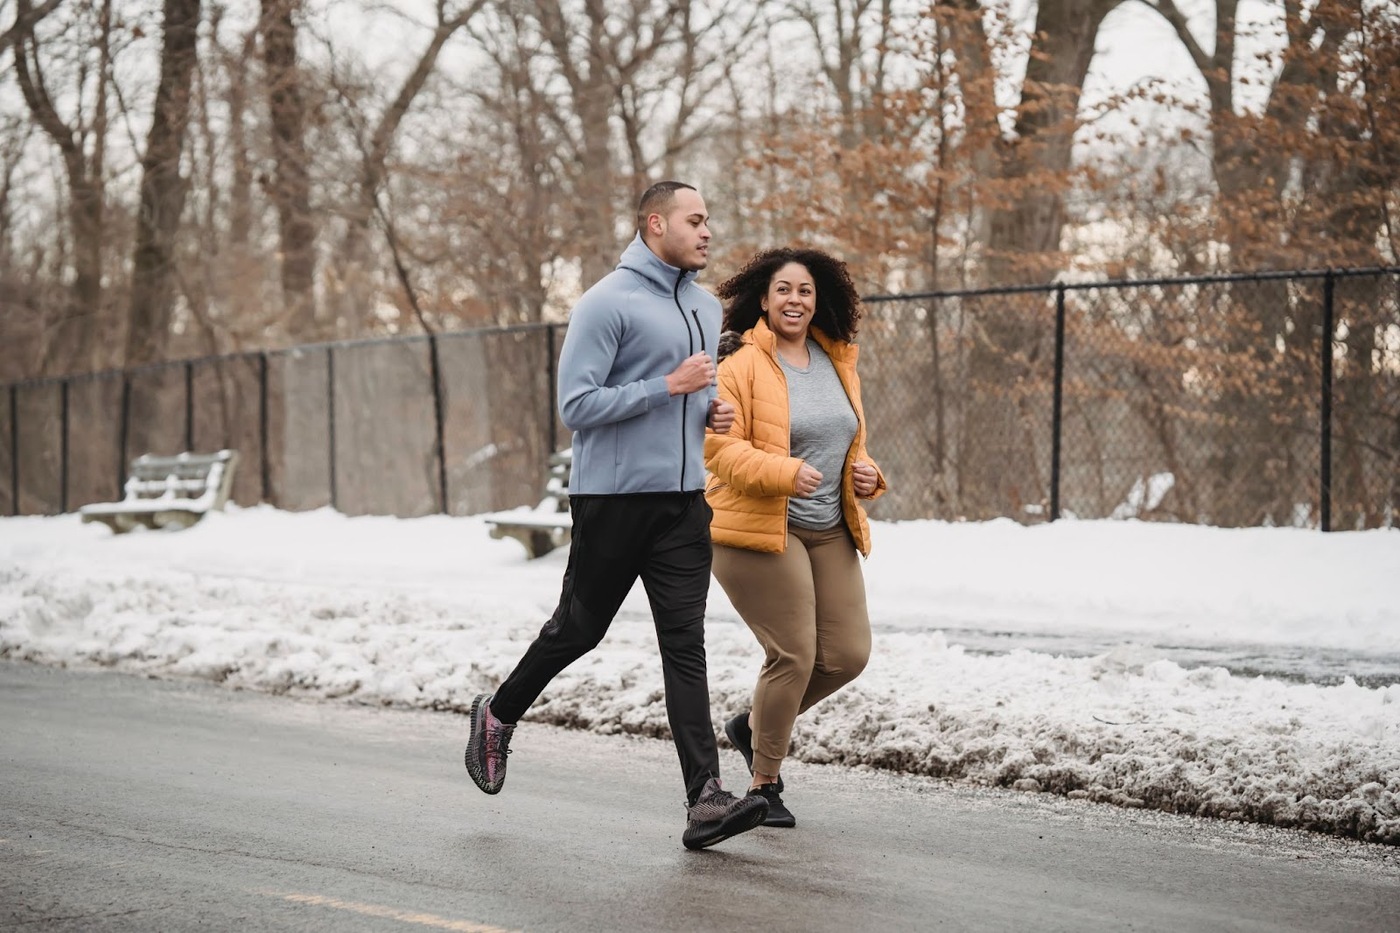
(131, 804)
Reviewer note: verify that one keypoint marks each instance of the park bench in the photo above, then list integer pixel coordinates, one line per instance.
(168, 492)
(546, 526)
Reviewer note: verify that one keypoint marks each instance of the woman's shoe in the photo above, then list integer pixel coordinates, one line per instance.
(778, 813)
(741, 737)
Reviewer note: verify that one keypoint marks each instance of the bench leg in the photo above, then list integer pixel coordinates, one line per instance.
(540, 544)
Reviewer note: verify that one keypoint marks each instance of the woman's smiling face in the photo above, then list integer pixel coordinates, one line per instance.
(791, 302)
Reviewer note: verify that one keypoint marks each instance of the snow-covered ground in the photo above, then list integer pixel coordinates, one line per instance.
(1118, 661)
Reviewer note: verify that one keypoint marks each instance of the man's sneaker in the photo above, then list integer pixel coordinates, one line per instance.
(741, 737)
(778, 813)
(717, 814)
(488, 746)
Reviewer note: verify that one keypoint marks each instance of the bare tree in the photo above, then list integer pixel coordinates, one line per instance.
(611, 58)
(227, 266)
(585, 53)
(162, 189)
(854, 41)
(512, 215)
(291, 184)
(26, 16)
(1300, 181)
(375, 145)
(74, 341)
(14, 137)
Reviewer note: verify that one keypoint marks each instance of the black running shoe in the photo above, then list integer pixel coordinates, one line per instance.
(717, 814)
(741, 737)
(488, 746)
(778, 813)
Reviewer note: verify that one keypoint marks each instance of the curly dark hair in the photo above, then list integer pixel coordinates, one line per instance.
(838, 304)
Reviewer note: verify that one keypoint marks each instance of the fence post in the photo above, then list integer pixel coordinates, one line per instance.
(1325, 478)
(122, 431)
(63, 448)
(266, 493)
(435, 367)
(553, 389)
(330, 416)
(14, 449)
(1056, 416)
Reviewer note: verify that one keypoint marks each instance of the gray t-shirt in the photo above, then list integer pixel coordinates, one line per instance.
(822, 425)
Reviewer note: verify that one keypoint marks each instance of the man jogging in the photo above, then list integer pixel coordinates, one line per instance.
(636, 386)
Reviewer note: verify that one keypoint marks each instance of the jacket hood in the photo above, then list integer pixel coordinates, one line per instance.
(659, 276)
(729, 341)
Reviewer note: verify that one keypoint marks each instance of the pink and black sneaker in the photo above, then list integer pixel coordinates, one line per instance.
(717, 814)
(488, 746)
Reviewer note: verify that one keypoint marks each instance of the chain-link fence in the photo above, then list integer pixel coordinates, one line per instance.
(1228, 400)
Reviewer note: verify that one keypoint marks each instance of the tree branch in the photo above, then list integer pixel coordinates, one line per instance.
(26, 19)
(1170, 12)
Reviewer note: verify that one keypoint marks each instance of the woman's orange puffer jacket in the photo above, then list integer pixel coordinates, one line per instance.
(751, 472)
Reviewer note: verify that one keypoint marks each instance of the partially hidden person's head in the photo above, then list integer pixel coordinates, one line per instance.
(674, 224)
(792, 289)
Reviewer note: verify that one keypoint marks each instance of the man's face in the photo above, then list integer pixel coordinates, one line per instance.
(685, 232)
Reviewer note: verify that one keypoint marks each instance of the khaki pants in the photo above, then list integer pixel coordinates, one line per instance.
(807, 608)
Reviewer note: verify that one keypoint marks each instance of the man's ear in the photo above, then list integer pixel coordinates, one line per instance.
(656, 224)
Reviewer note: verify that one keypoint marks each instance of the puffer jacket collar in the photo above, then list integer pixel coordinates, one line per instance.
(762, 337)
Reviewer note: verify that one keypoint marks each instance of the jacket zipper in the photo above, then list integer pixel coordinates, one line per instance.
(690, 345)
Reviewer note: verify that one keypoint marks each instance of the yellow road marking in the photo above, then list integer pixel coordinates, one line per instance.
(393, 913)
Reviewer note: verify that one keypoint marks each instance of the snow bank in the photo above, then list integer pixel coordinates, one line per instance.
(428, 612)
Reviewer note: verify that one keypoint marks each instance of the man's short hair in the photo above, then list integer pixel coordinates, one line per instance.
(658, 200)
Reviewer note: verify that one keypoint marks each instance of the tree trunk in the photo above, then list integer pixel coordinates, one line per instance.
(162, 189)
(1009, 374)
(73, 342)
(291, 185)
(1024, 242)
(593, 95)
(240, 223)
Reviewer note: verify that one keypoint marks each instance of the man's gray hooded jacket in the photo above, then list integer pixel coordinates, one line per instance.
(627, 332)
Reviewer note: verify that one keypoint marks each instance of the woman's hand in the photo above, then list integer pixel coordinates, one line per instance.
(807, 480)
(864, 479)
(721, 416)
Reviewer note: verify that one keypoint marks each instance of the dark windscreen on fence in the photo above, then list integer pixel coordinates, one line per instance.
(96, 465)
(39, 413)
(157, 415)
(1230, 400)
(298, 429)
(385, 430)
(8, 474)
(227, 403)
(496, 413)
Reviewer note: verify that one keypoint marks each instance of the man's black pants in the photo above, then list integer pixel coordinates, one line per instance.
(664, 538)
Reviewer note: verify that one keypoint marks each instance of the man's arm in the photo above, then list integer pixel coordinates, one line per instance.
(590, 347)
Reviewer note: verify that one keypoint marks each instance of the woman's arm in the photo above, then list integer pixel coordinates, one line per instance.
(733, 458)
